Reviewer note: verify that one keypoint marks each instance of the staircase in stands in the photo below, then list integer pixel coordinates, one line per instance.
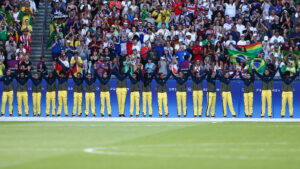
(40, 36)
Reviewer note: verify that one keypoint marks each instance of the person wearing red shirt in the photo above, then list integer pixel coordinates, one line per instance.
(177, 7)
(197, 51)
(144, 52)
(94, 45)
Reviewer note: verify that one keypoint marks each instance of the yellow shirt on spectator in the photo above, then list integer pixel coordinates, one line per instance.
(28, 27)
(77, 43)
(73, 61)
(158, 15)
(24, 8)
(2, 67)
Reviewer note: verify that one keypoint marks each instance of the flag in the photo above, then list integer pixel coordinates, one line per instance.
(50, 39)
(253, 48)
(5, 15)
(238, 56)
(288, 54)
(29, 17)
(258, 64)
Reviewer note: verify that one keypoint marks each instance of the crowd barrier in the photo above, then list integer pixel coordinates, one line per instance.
(237, 97)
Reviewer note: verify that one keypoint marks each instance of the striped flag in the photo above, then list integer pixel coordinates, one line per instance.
(238, 56)
(253, 48)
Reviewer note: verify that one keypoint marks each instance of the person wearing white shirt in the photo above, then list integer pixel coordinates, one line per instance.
(136, 45)
(149, 36)
(125, 4)
(242, 41)
(163, 31)
(240, 27)
(228, 24)
(277, 37)
(230, 42)
(230, 8)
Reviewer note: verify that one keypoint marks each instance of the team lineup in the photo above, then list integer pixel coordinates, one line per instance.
(135, 88)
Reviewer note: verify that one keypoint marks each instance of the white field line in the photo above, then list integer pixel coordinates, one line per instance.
(141, 119)
(184, 152)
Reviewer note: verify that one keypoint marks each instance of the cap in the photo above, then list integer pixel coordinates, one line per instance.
(68, 41)
(136, 19)
(266, 38)
(275, 41)
(267, 18)
(162, 58)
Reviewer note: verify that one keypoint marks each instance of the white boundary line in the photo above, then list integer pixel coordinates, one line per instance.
(207, 151)
(140, 119)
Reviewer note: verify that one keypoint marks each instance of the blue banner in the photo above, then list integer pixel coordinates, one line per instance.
(237, 97)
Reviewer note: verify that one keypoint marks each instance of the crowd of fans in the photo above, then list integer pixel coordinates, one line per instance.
(16, 20)
(162, 34)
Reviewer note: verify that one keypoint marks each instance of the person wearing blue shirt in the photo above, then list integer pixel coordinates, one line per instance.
(180, 54)
(159, 48)
(56, 48)
(275, 7)
(69, 50)
(149, 67)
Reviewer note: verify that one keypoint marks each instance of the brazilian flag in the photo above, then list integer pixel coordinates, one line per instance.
(22, 14)
(5, 15)
(288, 54)
(238, 56)
(258, 64)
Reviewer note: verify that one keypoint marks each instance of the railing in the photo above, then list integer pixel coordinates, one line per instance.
(44, 28)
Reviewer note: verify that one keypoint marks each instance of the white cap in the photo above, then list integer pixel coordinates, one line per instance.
(267, 18)
(68, 41)
(266, 38)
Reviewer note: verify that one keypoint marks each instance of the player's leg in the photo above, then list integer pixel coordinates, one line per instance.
(195, 99)
(137, 103)
(230, 104)
(283, 103)
(159, 103)
(263, 102)
(75, 103)
(34, 103)
(250, 103)
(4, 99)
(269, 100)
(149, 98)
(165, 102)
(184, 103)
(246, 104)
(179, 98)
(224, 101)
(107, 98)
(144, 98)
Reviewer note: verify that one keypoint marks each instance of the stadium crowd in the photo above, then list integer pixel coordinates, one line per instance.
(161, 35)
(16, 20)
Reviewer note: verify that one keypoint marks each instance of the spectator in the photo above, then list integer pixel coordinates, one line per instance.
(10, 47)
(163, 66)
(82, 50)
(101, 65)
(41, 66)
(76, 64)
(149, 67)
(56, 48)
(26, 65)
(69, 50)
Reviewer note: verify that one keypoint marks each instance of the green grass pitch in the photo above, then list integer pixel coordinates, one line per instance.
(149, 145)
